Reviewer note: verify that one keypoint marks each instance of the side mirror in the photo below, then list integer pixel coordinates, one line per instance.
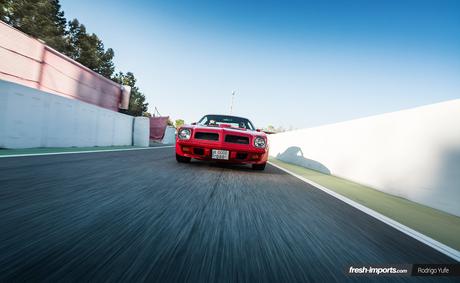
(258, 130)
(193, 124)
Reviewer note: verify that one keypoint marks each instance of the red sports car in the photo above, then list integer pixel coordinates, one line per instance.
(222, 138)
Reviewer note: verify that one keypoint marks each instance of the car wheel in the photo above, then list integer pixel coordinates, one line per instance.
(259, 166)
(182, 159)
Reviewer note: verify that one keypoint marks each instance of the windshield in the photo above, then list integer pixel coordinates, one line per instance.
(234, 122)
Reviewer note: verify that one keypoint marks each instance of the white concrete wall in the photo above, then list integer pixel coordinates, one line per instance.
(32, 118)
(414, 153)
(141, 131)
(170, 136)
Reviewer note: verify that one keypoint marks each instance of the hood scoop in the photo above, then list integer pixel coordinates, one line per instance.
(228, 126)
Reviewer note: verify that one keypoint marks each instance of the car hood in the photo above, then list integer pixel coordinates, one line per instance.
(226, 130)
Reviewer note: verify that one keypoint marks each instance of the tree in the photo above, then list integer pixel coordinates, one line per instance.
(44, 19)
(89, 50)
(280, 129)
(41, 19)
(137, 104)
(271, 128)
(4, 10)
(179, 123)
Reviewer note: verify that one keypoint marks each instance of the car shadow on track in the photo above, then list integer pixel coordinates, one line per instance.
(234, 167)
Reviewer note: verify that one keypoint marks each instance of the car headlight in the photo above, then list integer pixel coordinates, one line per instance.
(259, 142)
(184, 134)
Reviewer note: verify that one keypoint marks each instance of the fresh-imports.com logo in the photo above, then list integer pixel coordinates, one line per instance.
(378, 270)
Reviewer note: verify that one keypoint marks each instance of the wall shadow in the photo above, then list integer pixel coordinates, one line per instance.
(295, 155)
(213, 165)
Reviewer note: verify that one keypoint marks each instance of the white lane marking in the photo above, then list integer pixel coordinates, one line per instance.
(448, 251)
(83, 151)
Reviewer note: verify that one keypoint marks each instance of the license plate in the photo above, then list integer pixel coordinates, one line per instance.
(220, 154)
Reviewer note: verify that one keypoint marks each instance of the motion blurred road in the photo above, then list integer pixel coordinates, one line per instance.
(140, 216)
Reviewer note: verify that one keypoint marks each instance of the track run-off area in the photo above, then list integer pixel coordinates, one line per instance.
(138, 215)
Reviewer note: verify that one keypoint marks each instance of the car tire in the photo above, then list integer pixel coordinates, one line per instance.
(259, 166)
(182, 159)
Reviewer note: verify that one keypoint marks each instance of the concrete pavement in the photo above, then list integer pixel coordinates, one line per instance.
(140, 216)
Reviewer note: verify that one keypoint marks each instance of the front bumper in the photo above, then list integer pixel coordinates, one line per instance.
(201, 150)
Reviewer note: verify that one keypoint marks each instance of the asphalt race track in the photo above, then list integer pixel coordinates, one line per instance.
(140, 216)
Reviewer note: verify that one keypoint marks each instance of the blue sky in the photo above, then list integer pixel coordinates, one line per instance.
(292, 63)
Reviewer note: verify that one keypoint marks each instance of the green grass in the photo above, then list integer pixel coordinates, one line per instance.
(4, 152)
(431, 222)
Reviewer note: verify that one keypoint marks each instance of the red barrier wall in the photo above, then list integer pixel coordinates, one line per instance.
(158, 127)
(29, 62)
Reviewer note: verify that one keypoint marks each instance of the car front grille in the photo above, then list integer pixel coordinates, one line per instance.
(198, 151)
(241, 155)
(207, 136)
(236, 139)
